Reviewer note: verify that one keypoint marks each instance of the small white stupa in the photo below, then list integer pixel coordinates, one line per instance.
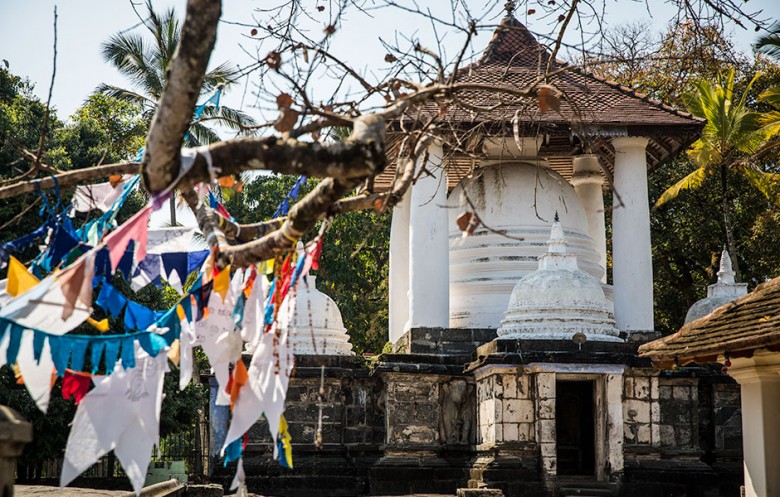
(720, 293)
(558, 300)
(313, 320)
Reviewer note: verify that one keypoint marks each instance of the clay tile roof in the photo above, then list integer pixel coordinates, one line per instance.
(515, 58)
(591, 107)
(740, 327)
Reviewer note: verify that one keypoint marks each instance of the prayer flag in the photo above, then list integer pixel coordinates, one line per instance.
(19, 279)
(122, 413)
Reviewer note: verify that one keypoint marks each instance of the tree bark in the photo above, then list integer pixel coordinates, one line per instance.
(727, 226)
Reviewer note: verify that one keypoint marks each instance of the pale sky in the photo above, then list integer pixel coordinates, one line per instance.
(26, 38)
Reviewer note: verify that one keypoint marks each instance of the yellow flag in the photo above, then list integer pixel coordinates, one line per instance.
(222, 282)
(173, 353)
(102, 326)
(19, 279)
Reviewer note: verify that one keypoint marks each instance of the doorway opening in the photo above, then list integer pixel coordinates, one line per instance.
(575, 428)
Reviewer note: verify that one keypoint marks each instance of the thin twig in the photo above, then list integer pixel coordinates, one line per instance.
(45, 123)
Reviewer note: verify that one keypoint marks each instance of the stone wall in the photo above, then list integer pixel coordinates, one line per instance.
(506, 407)
(420, 423)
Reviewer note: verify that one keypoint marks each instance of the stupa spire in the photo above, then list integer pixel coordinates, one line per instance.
(726, 272)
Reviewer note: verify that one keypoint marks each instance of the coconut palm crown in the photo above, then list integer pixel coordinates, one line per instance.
(144, 62)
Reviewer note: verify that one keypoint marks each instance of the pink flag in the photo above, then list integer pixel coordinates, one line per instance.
(134, 229)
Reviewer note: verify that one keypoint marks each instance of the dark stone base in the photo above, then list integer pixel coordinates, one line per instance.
(409, 475)
(664, 477)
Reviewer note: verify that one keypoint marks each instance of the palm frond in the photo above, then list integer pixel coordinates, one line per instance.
(224, 74)
(129, 96)
(770, 42)
(227, 117)
(201, 135)
(766, 183)
(130, 55)
(691, 181)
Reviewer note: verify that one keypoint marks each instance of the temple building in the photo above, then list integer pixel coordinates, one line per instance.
(514, 368)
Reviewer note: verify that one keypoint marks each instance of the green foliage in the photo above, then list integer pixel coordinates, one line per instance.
(687, 233)
(105, 130)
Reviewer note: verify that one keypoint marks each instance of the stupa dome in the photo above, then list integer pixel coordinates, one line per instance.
(517, 201)
(721, 293)
(558, 300)
(313, 321)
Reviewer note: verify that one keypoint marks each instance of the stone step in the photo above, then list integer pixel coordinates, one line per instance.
(586, 489)
(585, 492)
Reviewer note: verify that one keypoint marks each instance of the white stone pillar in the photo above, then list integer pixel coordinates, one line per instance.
(614, 415)
(632, 267)
(588, 181)
(760, 389)
(399, 269)
(429, 265)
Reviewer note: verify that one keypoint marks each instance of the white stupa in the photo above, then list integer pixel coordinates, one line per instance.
(720, 293)
(517, 200)
(313, 320)
(558, 300)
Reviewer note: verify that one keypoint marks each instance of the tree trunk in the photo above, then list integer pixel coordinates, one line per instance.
(731, 244)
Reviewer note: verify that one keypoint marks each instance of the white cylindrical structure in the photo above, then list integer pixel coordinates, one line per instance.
(632, 267)
(588, 181)
(399, 269)
(518, 201)
(760, 393)
(429, 302)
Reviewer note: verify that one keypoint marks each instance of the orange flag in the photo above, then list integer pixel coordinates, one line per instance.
(237, 380)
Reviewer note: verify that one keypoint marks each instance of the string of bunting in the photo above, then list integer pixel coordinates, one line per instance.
(223, 311)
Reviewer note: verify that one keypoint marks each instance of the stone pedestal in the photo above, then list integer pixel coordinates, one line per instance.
(15, 433)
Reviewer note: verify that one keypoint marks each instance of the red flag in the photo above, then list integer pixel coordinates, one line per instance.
(75, 386)
(134, 229)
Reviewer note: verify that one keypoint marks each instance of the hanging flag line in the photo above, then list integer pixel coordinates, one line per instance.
(213, 99)
(221, 314)
(284, 207)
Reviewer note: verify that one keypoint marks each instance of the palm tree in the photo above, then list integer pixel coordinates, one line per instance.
(732, 135)
(145, 62)
(770, 121)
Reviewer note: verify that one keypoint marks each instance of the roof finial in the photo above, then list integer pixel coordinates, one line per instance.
(509, 7)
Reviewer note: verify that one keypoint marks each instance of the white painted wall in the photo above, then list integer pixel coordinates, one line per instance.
(632, 270)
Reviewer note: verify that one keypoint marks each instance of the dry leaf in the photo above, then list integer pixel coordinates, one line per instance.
(283, 101)
(379, 206)
(548, 99)
(467, 223)
(287, 119)
(273, 60)
(253, 32)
